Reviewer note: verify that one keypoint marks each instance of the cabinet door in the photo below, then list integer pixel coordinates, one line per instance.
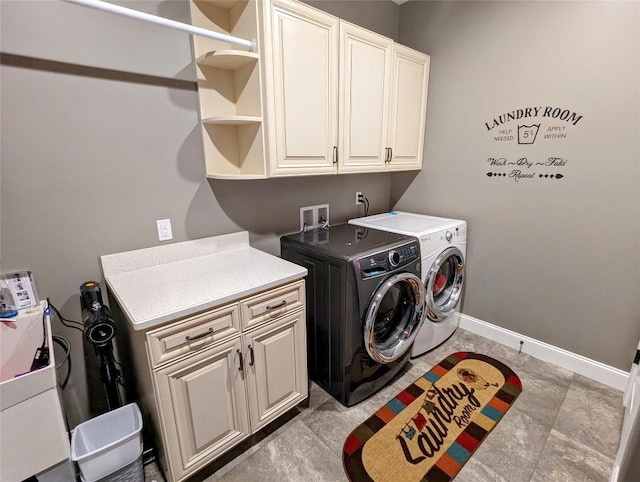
(203, 406)
(365, 83)
(305, 89)
(408, 108)
(276, 356)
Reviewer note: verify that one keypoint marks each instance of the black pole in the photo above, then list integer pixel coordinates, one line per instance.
(109, 375)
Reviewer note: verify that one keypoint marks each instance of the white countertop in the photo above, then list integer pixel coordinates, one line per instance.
(160, 284)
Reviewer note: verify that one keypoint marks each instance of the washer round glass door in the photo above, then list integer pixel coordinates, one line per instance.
(394, 317)
(444, 283)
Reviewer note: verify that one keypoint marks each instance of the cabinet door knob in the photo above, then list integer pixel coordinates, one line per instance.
(241, 368)
(251, 359)
(335, 154)
(390, 153)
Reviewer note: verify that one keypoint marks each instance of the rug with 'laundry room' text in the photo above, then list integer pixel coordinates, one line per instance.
(431, 428)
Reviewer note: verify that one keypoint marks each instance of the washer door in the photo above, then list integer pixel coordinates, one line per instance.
(393, 317)
(444, 284)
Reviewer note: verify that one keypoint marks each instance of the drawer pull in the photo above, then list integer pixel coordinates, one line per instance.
(241, 368)
(277, 305)
(201, 335)
(251, 359)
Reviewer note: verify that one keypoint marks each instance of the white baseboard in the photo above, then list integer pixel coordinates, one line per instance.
(587, 367)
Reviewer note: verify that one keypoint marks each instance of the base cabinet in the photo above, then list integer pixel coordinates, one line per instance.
(209, 380)
(203, 403)
(277, 367)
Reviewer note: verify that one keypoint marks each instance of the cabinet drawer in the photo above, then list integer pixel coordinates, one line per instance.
(192, 333)
(272, 304)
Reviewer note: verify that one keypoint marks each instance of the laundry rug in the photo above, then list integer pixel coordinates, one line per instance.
(430, 429)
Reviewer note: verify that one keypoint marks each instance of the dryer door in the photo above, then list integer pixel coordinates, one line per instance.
(393, 317)
(444, 283)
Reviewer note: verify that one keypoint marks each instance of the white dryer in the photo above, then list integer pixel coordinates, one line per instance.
(443, 247)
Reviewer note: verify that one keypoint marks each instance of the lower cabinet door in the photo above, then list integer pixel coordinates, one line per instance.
(276, 356)
(203, 406)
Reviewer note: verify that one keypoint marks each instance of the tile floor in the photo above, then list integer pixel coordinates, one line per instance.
(563, 427)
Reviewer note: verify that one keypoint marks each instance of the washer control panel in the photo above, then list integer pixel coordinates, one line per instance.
(385, 261)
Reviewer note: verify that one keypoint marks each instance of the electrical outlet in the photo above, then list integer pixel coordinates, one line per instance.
(359, 198)
(164, 229)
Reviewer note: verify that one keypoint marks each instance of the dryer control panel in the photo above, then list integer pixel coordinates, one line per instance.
(433, 242)
(388, 260)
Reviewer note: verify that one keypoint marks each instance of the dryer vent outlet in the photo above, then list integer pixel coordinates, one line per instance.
(312, 217)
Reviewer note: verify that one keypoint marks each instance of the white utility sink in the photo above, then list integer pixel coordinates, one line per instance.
(34, 435)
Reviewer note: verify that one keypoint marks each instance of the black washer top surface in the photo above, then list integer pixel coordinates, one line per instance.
(346, 241)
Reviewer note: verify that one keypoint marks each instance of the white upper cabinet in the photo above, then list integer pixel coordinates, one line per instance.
(304, 96)
(365, 85)
(319, 96)
(383, 103)
(408, 108)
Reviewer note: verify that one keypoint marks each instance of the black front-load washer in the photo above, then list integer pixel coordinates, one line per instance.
(365, 304)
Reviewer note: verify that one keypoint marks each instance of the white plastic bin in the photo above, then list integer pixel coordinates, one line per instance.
(108, 442)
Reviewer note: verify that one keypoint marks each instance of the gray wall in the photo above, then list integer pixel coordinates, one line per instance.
(381, 16)
(554, 259)
(100, 138)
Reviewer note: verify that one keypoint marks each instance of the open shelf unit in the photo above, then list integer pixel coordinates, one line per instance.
(230, 90)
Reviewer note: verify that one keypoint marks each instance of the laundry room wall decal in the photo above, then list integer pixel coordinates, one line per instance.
(527, 133)
(528, 126)
(522, 168)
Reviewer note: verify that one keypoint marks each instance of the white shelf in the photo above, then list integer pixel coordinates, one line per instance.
(226, 4)
(237, 177)
(227, 59)
(230, 83)
(232, 120)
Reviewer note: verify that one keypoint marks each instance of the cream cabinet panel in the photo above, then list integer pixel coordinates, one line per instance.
(305, 48)
(408, 108)
(193, 333)
(272, 304)
(365, 83)
(277, 367)
(202, 400)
